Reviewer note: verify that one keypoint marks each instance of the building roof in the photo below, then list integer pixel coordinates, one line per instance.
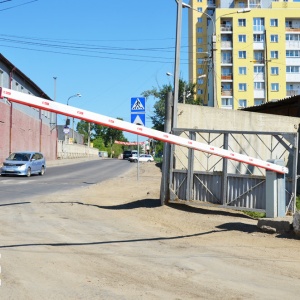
(11, 66)
(285, 107)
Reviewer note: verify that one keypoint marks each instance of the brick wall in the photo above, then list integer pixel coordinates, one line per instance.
(27, 133)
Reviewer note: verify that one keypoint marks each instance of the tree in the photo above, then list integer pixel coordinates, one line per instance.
(187, 94)
(83, 128)
(108, 134)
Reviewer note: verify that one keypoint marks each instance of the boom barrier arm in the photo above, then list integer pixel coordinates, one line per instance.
(88, 116)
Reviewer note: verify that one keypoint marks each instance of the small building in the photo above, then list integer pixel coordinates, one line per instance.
(23, 127)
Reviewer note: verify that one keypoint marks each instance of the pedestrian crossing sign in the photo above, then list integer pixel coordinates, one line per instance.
(138, 105)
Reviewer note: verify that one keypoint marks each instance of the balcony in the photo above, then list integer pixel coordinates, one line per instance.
(226, 28)
(290, 93)
(226, 44)
(226, 93)
(226, 77)
(211, 3)
(293, 29)
(226, 60)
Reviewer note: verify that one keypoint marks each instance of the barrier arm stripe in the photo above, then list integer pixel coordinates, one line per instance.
(88, 116)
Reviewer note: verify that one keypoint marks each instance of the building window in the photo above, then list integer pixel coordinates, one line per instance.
(274, 38)
(199, 9)
(199, 40)
(274, 54)
(242, 22)
(242, 87)
(274, 87)
(200, 81)
(200, 71)
(258, 38)
(242, 38)
(274, 23)
(292, 37)
(200, 92)
(292, 53)
(227, 102)
(199, 29)
(259, 85)
(258, 102)
(242, 54)
(258, 56)
(258, 24)
(259, 70)
(199, 0)
(200, 20)
(241, 4)
(242, 103)
(274, 71)
(292, 69)
(242, 71)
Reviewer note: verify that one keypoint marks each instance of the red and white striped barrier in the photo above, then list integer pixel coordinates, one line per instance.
(88, 116)
(129, 143)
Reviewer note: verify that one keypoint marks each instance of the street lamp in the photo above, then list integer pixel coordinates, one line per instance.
(67, 123)
(177, 62)
(213, 44)
(76, 95)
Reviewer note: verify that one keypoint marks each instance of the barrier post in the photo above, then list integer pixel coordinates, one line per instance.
(275, 192)
(164, 187)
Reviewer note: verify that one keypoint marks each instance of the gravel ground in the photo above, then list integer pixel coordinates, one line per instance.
(114, 241)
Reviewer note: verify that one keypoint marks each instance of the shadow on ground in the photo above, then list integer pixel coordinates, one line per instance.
(207, 211)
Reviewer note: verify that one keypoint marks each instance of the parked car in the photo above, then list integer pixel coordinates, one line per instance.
(24, 163)
(141, 158)
(129, 153)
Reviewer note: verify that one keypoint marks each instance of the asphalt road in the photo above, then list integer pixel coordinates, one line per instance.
(60, 178)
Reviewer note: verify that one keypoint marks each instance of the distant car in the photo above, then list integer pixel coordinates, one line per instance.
(24, 163)
(129, 153)
(141, 158)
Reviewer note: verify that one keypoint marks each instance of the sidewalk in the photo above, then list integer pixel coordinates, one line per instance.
(68, 161)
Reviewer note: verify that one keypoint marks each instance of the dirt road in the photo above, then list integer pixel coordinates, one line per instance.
(114, 241)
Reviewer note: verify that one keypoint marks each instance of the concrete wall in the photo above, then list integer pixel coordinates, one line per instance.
(192, 116)
(65, 150)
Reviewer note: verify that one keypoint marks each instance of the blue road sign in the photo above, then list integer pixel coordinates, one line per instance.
(138, 119)
(138, 105)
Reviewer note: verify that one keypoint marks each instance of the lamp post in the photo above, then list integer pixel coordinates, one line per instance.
(213, 45)
(177, 62)
(73, 96)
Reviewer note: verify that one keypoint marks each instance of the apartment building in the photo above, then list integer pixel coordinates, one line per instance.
(249, 51)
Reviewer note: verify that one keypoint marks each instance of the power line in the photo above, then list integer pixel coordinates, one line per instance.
(16, 5)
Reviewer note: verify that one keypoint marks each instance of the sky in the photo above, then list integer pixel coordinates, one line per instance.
(108, 51)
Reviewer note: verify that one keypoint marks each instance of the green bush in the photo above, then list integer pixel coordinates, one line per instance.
(298, 203)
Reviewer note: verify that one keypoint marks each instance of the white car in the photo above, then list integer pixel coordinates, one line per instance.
(141, 158)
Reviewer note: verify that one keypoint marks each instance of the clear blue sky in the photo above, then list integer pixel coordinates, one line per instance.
(109, 51)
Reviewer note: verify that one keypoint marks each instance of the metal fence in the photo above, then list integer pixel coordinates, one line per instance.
(199, 176)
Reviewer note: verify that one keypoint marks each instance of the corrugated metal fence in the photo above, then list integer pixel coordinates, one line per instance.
(202, 177)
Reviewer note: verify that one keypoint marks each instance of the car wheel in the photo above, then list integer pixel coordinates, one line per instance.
(135, 160)
(149, 160)
(42, 172)
(28, 174)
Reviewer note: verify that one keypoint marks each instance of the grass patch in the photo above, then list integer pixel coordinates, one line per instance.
(298, 203)
(254, 214)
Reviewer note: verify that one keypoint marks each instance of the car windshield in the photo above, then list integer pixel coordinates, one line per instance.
(19, 156)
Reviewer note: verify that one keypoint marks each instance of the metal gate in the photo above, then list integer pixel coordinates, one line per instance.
(199, 176)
